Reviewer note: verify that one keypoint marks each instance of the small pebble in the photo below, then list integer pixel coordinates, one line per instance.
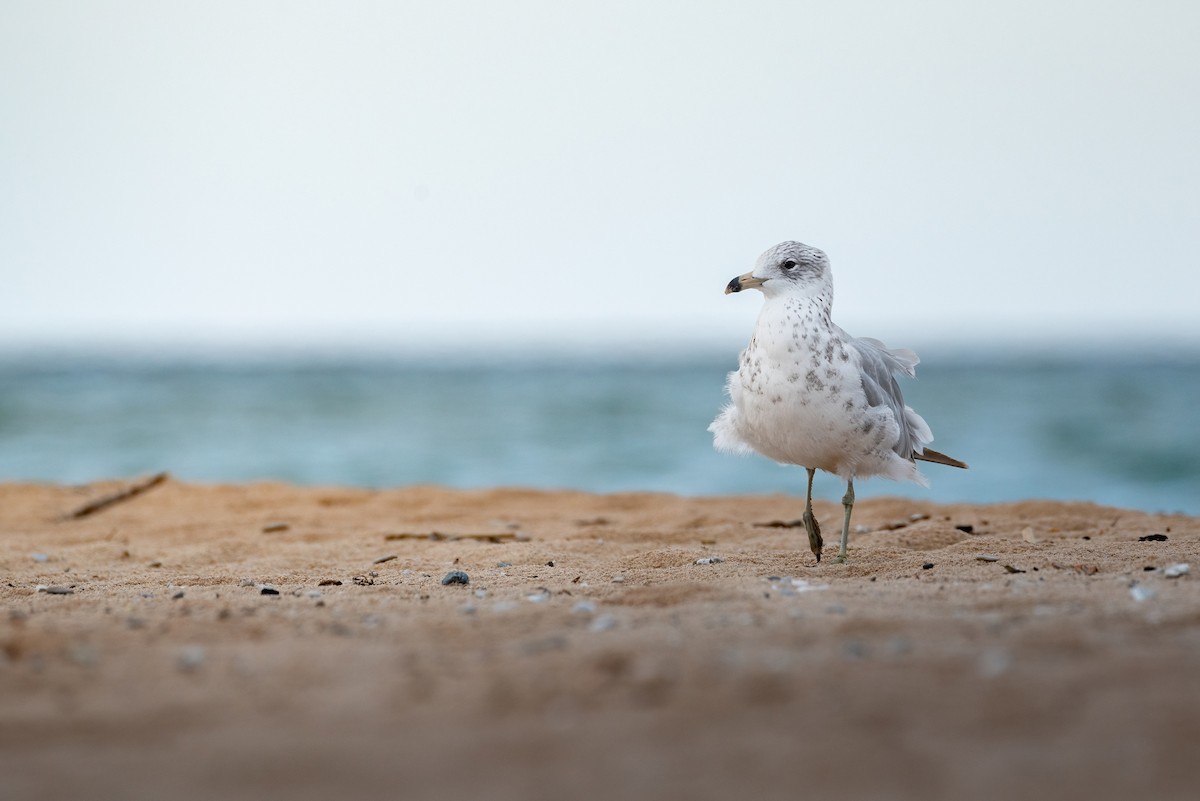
(708, 560)
(504, 564)
(855, 649)
(56, 590)
(268, 590)
(584, 607)
(987, 558)
(455, 577)
(618, 579)
(314, 594)
(539, 597)
(1012, 569)
(246, 583)
(84, 655)
(966, 528)
(1153, 538)
(41, 557)
(191, 658)
(1028, 535)
(1177, 570)
(383, 559)
(774, 578)
(329, 583)
(927, 566)
(270, 528)
(177, 595)
(994, 662)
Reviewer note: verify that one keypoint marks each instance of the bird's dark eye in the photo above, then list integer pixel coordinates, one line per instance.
(788, 265)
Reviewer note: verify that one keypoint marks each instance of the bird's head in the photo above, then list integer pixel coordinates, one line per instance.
(791, 268)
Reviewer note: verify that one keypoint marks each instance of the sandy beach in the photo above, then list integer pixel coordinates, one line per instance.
(266, 640)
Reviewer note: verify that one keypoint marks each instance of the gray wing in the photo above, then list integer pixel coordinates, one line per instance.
(879, 365)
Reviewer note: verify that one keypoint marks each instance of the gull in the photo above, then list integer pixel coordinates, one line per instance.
(809, 394)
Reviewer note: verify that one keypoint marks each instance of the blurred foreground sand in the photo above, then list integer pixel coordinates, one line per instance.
(590, 656)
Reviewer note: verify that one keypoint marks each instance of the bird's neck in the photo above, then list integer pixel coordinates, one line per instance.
(817, 305)
(792, 324)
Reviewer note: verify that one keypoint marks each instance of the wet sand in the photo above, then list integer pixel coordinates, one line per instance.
(594, 653)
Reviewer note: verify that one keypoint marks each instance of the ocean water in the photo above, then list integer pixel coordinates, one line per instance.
(1124, 432)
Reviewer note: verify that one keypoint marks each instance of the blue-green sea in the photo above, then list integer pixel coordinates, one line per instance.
(1124, 432)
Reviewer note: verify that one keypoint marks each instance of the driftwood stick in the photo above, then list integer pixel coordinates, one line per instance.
(97, 505)
(437, 536)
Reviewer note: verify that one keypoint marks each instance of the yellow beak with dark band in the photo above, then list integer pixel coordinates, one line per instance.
(747, 281)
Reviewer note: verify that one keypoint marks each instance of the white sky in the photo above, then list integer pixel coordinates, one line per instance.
(258, 172)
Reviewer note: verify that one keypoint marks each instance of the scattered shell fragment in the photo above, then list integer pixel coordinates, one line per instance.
(987, 557)
(1028, 535)
(603, 623)
(803, 585)
(1177, 570)
(55, 590)
(270, 528)
(539, 597)
(709, 560)
(1140, 592)
(383, 559)
(40, 557)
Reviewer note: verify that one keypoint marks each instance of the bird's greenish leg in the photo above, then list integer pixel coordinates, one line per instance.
(810, 523)
(848, 502)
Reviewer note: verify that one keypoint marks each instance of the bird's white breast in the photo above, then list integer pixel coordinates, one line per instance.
(798, 397)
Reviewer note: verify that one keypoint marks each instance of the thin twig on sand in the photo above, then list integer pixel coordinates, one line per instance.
(437, 536)
(97, 505)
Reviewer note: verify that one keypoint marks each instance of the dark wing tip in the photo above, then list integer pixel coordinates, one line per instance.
(930, 455)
